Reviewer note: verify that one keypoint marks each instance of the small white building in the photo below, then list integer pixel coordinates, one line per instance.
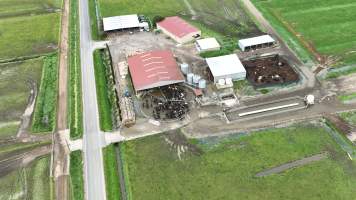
(123, 22)
(225, 67)
(256, 42)
(207, 44)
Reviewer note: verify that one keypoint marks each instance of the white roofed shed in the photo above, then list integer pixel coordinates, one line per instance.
(207, 44)
(256, 42)
(121, 22)
(228, 66)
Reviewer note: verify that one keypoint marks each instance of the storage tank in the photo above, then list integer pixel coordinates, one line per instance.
(184, 67)
(190, 78)
(202, 84)
(228, 81)
(221, 82)
(196, 79)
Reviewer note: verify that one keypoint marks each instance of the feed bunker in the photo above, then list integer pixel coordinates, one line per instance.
(269, 71)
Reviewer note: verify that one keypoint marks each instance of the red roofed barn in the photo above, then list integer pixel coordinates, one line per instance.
(154, 69)
(178, 29)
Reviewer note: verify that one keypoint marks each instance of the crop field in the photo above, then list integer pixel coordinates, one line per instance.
(28, 27)
(226, 167)
(18, 37)
(13, 8)
(31, 182)
(15, 89)
(325, 27)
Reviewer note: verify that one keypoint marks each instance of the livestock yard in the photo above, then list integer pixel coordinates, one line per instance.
(172, 167)
(323, 27)
(270, 71)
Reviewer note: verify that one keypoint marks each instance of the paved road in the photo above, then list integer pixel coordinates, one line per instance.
(92, 140)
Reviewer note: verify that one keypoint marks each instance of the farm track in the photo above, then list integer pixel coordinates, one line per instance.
(60, 152)
(17, 160)
(291, 165)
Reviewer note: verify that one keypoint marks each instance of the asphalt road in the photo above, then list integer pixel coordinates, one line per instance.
(92, 139)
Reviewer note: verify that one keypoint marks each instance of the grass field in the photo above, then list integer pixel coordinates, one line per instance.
(225, 168)
(326, 25)
(15, 89)
(31, 182)
(44, 116)
(76, 175)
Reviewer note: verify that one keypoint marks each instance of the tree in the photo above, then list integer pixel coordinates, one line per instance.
(157, 19)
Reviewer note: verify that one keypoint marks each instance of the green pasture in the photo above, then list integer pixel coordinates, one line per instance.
(225, 167)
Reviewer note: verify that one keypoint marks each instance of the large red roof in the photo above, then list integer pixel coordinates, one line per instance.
(154, 69)
(177, 26)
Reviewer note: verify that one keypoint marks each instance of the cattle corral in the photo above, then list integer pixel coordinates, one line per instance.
(271, 70)
(167, 103)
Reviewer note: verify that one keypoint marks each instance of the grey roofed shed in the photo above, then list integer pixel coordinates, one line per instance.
(120, 22)
(255, 41)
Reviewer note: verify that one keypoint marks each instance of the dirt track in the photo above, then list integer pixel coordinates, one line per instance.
(60, 155)
(291, 165)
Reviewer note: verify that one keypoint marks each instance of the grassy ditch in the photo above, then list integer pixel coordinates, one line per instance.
(45, 112)
(107, 101)
(75, 91)
(76, 175)
(225, 167)
(111, 173)
(95, 30)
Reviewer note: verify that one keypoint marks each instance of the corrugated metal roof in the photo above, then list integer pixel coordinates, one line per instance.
(225, 65)
(256, 40)
(177, 26)
(154, 69)
(208, 43)
(120, 22)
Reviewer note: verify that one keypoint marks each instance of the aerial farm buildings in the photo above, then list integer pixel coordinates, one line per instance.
(123, 22)
(227, 67)
(256, 43)
(154, 69)
(207, 44)
(178, 29)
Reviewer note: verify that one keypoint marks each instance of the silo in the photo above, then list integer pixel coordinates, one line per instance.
(190, 78)
(196, 79)
(221, 82)
(202, 84)
(184, 67)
